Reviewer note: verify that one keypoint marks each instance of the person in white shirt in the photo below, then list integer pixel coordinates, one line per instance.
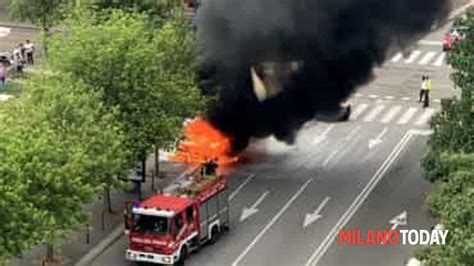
(30, 50)
(18, 60)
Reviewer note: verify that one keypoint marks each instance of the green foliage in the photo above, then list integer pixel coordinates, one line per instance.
(59, 147)
(158, 11)
(42, 13)
(454, 126)
(454, 205)
(148, 74)
(450, 160)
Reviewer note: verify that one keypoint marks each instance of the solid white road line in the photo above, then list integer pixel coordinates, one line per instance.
(359, 110)
(237, 190)
(272, 221)
(440, 60)
(412, 57)
(427, 58)
(371, 116)
(359, 200)
(391, 114)
(427, 114)
(407, 115)
(396, 58)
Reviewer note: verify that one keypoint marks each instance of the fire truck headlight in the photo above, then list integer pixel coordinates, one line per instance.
(166, 259)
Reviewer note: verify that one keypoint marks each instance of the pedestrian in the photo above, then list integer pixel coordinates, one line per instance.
(18, 61)
(3, 75)
(30, 50)
(427, 89)
(422, 88)
(23, 52)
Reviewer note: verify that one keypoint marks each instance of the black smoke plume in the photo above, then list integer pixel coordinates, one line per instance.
(339, 42)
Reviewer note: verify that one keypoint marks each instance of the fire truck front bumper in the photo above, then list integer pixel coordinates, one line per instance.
(139, 256)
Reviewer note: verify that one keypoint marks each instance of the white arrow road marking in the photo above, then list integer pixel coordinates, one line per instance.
(361, 197)
(274, 219)
(314, 216)
(377, 140)
(247, 212)
(400, 219)
(323, 136)
(237, 190)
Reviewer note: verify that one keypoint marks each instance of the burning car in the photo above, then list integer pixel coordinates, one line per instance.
(338, 115)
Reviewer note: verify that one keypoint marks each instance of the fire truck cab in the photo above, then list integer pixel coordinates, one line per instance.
(166, 227)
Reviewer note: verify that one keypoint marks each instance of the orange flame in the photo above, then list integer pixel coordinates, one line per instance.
(203, 143)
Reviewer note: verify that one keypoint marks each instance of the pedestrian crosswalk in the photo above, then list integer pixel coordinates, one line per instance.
(396, 114)
(422, 58)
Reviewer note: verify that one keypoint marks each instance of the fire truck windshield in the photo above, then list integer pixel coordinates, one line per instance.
(150, 224)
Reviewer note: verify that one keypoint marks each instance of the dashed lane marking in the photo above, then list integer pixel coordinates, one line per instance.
(371, 116)
(427, 114)
(407, 115)
(391, 114)
(427, 58)
(412, 57)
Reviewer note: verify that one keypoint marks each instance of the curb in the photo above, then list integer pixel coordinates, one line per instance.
(460, 10)
(18, 26)
(101, 247)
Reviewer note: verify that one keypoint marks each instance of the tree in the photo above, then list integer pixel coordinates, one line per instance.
(59, 148)
(43, 13)
(454, 126)
(157, 10)
(148, 74)
(454, 205)
(450, 160)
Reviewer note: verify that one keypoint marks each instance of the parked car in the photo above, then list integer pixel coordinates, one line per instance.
(6, 58)
(454, 35)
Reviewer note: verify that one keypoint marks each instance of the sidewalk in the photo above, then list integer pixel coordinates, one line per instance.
(70, 250)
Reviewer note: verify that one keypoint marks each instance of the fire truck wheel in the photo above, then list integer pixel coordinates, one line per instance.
(214, 234)
(182, 256)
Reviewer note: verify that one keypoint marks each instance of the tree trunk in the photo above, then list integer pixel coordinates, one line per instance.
(107, 200)
(45, 41)
(49, 253)
(157, 161)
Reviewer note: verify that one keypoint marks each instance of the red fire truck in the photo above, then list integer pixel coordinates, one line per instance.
(166, 227)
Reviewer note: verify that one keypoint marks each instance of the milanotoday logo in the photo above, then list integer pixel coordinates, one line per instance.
(392, 237)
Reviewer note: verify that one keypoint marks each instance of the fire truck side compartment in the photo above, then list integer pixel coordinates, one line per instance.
(215, 208)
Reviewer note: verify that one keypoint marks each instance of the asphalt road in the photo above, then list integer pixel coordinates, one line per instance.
(335, 169)
(357, 174)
